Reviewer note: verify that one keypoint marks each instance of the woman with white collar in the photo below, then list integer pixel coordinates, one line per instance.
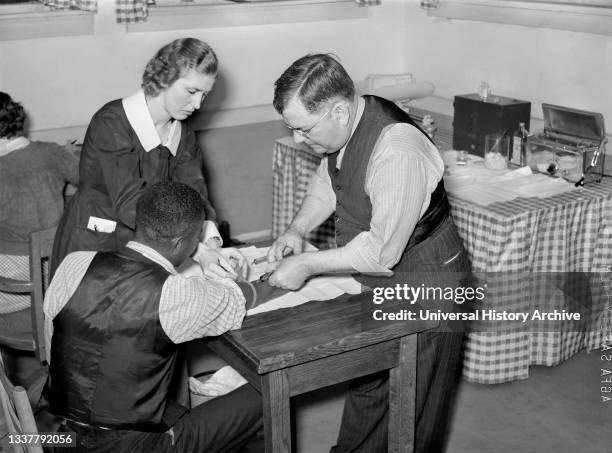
(140, 140)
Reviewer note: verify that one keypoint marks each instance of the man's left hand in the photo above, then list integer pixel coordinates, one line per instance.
(291, 272)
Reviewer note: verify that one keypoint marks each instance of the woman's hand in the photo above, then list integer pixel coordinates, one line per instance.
(220, 263)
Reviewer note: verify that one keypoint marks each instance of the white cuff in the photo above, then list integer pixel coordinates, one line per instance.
(211, 234)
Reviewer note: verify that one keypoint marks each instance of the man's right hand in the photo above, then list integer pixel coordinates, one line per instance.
(290, 242)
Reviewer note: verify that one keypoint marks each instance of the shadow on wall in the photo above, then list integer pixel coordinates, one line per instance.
(238, 167)
(214, 101)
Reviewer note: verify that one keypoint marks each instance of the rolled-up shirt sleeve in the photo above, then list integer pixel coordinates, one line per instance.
(320, 191)
(402, 173)
(193, 307)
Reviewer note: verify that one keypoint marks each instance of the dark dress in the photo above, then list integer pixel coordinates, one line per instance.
(113, 171)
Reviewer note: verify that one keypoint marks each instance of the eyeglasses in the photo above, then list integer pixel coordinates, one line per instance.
(305, 132)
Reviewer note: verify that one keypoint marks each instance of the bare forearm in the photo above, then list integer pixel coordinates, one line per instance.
(294, 270)
(312, 213)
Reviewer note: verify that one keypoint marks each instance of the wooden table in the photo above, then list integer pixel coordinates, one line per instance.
(287, 352)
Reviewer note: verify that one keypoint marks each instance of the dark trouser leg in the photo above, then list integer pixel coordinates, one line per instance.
(364, 425)
(365, 418)
(438, 375)
(228, 424)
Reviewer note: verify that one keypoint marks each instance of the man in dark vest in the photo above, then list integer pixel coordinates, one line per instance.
(381, 177)
(115, 320)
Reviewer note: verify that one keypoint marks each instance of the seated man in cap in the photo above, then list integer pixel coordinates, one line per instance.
(114, 321)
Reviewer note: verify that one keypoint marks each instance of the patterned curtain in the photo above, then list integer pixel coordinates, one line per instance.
(132, 11)
(135, 11)
(84, 5)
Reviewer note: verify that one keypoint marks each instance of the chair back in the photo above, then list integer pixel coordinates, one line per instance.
(16, 415)
(39, 251)
(41, 248)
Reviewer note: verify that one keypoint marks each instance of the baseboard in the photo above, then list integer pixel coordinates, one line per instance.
(255, 236)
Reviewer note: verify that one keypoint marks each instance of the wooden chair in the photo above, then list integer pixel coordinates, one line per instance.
(16, 415)
(24, 330)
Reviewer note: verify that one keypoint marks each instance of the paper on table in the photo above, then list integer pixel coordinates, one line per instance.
(318, 288)
(475, 183)
(543, 186)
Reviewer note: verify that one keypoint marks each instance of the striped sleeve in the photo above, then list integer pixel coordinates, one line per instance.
(193, 307)
(65, 282)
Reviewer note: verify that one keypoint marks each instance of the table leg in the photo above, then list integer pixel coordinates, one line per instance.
(402, 397)
(276, 411)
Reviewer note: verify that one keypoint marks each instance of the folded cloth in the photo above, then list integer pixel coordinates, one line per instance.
(223, 381)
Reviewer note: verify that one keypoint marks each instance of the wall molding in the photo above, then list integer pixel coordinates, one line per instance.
(254, 236)
(172, 17)
(212, 119)
(45, 24)
(559, 16)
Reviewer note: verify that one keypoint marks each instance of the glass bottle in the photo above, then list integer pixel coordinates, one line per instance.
(519, 146)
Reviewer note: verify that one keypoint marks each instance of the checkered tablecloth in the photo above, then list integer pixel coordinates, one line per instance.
(530, 239)
(568, 234)
(292, 167)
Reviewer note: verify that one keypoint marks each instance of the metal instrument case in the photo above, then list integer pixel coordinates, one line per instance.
(571, 146)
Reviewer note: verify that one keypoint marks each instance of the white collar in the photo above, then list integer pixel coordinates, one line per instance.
(152, 254)
(138, 115)
(358, 115)
(8, 145)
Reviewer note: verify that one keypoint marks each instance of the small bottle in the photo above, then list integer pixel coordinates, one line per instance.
(429, 126)
(484, 91)
(519, 146)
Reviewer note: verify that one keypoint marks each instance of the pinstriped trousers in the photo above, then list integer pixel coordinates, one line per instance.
(440, 261)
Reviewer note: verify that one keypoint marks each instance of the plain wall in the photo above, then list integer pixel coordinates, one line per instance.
(63, 81)
(533, 64)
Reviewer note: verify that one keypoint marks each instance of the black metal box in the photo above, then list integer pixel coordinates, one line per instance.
(474, 118)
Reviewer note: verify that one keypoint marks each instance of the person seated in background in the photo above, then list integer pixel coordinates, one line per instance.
(137, 141)
(114, 320)
(33, 176)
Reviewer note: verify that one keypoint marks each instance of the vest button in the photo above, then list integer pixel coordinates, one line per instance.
(336, 218)
(338, 187)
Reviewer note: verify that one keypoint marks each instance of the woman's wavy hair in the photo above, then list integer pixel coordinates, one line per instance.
(12, 117)
(173, 60)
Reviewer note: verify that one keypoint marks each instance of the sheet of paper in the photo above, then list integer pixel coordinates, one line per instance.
(318, 288)
(473, 182)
